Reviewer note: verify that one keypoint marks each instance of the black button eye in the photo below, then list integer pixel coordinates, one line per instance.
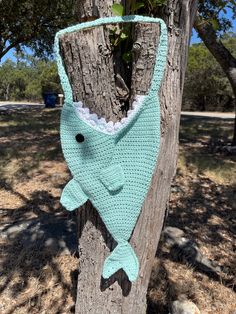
(79, 138)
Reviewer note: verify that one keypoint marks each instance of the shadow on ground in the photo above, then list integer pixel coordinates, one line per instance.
(38, 238)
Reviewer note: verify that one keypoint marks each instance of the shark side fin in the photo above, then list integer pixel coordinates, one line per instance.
(123, 256)
(112, 177)
(72, 195)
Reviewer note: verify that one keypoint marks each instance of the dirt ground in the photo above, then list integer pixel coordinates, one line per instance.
(203, 204)
(37, 277)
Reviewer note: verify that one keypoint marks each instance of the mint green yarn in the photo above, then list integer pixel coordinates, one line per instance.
(113, 171)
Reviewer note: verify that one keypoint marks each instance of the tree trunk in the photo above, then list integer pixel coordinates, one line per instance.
(106, 89)
(7, 94)
(221, 54)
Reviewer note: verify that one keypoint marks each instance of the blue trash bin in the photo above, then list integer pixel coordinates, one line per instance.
(50, 99)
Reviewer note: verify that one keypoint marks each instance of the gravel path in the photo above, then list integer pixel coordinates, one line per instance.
(8, 106)
(222, 115)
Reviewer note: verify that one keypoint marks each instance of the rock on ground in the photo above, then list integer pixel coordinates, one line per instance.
(185, 249)
(184, 307)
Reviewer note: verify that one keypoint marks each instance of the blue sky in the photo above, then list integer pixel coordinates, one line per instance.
(194, 39)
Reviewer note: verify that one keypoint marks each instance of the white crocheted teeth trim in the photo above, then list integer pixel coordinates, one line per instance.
(101, 124)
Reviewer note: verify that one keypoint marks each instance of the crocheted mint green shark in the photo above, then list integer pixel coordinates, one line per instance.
(112, 164)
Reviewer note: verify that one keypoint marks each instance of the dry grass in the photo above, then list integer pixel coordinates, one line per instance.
(32, 171)
(34, 279)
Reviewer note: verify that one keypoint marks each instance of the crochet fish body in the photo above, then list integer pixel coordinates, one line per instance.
(112, 164)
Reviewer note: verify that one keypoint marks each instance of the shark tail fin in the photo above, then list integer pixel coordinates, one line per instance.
(123, 256)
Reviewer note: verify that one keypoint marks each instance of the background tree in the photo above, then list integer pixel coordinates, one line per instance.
(7, 79)
(210, 24)
(110, 87)
(32, 23)
(206, 86)
(28, 78)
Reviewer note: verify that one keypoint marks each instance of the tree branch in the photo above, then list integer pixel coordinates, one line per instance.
(5, 51)
(20, 40)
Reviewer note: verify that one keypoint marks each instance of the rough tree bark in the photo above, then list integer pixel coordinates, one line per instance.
(105, 89)
(222, 55)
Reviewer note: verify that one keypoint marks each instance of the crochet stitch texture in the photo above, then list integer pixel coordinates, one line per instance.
(112, 165)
